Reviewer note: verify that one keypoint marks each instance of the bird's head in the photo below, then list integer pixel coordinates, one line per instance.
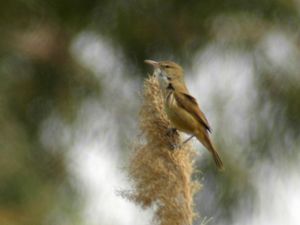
(166, 71)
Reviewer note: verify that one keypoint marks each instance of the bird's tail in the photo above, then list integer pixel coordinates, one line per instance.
(217, 160)
(205, 140)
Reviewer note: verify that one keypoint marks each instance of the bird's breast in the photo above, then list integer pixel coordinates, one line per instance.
(179, 117)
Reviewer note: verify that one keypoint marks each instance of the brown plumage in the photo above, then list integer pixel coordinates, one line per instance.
(182, 108)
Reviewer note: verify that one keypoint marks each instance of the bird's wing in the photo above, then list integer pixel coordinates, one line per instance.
(189, 103)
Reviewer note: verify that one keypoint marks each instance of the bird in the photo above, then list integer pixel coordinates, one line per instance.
(181, 107)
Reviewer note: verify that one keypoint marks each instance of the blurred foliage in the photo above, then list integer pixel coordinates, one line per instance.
(39, 77)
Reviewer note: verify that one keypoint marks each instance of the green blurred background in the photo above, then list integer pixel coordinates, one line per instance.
(71, 73)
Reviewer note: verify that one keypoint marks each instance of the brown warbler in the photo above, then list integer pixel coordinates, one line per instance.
(182, 108)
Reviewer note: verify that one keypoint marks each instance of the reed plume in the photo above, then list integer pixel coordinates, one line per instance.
(161, 174)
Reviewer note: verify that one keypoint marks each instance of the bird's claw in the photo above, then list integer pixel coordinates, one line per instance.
(175, 146)
(171, 131)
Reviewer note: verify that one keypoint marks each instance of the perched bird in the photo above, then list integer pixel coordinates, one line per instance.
(182, 108)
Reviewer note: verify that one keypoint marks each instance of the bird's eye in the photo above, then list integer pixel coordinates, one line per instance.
(166, 66)
(169, 78)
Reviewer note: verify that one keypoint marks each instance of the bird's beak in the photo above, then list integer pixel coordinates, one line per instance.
(152, 63)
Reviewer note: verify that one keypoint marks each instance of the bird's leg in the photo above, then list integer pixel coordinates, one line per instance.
(176, 146)
(187, 140)
(171, 132)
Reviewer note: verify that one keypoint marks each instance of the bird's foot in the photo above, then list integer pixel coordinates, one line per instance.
(175, 146)
(171, 131)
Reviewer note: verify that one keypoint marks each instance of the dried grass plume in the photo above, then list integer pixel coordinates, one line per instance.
(161, 175)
